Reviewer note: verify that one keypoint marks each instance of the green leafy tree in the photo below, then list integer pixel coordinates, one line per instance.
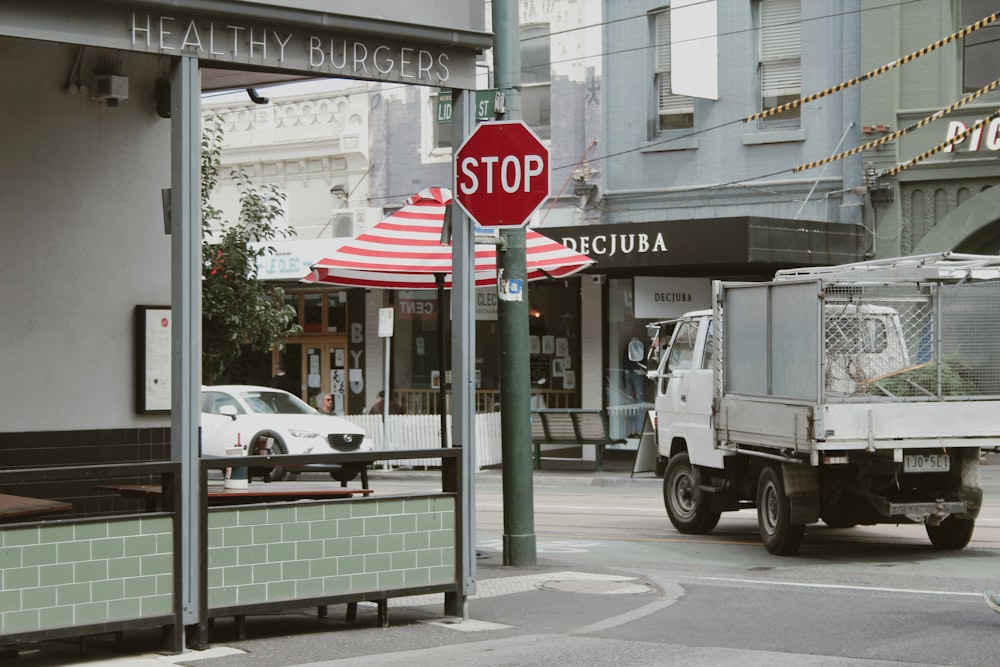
(238, 311)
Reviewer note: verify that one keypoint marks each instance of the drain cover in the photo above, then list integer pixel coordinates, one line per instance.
(598, 587)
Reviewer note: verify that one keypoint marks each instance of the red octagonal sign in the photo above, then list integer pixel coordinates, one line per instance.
(502, 174)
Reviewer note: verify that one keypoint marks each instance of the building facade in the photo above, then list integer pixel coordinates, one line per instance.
(693, 191)
(946, 201)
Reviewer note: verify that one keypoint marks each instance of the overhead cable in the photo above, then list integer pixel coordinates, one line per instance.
(957, 139)
(876, 72)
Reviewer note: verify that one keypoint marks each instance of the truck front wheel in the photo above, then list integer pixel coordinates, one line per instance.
(952, 533)
(779, 534)
(685, 505)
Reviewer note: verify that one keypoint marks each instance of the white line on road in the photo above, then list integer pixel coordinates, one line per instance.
(873, 589)
(589, 508)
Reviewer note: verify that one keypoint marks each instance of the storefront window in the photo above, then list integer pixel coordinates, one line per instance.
(554, 344)
(554, 313)
(629, 394)
(336, 312)
(311, 316)
(416, 340)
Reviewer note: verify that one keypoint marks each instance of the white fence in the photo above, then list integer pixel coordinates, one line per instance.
(424, 432)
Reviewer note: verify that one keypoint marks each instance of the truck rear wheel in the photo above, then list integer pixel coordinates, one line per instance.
(683, 499)
(952, 533)
(779, 534)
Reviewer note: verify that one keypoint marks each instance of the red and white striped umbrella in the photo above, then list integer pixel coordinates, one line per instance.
(404, 251)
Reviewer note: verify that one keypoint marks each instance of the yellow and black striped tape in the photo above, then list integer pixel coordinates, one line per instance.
(876, 72)
(895, 135)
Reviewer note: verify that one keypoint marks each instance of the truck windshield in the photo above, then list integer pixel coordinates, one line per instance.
(682, 350)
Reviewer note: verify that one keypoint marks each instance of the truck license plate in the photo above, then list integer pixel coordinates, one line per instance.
(926, 463)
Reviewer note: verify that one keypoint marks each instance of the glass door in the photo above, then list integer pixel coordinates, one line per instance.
(326, 372)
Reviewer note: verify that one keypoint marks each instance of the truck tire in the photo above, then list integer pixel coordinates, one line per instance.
(685, 507)
(779, 534)
(952, 533)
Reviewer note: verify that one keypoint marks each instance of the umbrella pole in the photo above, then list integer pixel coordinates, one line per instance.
(442, 390)
(386, 401)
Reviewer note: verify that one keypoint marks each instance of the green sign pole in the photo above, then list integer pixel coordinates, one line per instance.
(519, 547)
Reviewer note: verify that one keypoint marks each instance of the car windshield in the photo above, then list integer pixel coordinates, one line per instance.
(276, 402)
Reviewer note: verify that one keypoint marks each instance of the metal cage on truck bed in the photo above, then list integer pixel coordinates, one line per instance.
(864, 335)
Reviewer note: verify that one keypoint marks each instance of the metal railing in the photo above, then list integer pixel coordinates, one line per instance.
(101, 542)
(428, 401)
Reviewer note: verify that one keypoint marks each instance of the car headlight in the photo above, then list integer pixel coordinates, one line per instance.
(304, 434)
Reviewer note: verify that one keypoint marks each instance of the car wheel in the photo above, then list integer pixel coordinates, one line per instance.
(278, 447)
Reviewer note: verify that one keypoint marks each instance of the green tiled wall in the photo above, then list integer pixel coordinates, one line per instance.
(55, 576)
(311, 549)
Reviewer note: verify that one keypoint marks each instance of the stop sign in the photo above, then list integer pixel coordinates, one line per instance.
(502, 174)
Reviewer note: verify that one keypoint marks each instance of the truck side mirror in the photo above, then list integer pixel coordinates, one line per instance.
(636, 350)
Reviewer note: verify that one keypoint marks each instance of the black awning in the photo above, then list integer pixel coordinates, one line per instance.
(743, 246)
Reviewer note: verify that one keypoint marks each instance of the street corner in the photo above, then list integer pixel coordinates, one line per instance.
(497, 579)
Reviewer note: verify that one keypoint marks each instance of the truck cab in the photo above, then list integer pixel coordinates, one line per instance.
(684, 390)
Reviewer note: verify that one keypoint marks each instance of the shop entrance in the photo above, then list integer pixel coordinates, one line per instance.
(327, 372)
(321, 367)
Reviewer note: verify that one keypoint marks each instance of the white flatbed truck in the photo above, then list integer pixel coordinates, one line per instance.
(855, 394)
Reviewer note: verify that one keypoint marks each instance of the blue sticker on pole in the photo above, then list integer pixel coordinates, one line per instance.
(510, 290)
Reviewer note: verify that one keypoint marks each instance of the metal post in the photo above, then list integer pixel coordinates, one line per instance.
(185, 299)
(442, 388)
(515, 374)
(386, 393)
(463, 348)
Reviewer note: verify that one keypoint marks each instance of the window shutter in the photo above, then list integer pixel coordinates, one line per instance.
(663, 42)
(780, 47)
(668, 102)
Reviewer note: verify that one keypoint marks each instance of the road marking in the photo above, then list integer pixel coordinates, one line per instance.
(466, 625)
(870, 589)
(488, 588)
(547, 546)
(614, 509)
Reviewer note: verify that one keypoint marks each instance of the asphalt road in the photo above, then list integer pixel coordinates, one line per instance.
(616, 585)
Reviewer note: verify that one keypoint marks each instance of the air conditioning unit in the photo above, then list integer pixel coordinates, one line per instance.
(342, 225)
(348, 222)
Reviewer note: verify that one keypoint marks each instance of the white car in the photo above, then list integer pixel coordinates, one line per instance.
(245, 414)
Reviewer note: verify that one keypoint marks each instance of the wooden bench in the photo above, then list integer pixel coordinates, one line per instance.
(573, 428)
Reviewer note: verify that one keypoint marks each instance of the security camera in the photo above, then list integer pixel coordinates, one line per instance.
(598, 278)
(109, 88)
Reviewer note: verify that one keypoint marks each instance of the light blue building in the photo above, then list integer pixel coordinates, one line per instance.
(691, 190)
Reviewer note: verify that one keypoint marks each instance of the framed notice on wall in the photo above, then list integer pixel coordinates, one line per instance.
(153, 325)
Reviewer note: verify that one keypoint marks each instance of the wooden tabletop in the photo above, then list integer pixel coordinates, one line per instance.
(18, 507)
(255, 491)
